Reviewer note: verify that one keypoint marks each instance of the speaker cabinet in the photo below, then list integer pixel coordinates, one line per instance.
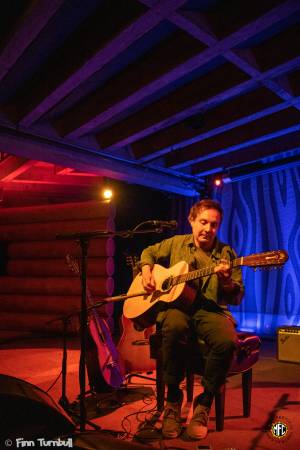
(27, 411)
(288, 344)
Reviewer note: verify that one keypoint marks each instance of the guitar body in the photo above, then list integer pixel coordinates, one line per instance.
(143, 309)
(107, 355)
(171, 285)
(134, 348)
(102, 358)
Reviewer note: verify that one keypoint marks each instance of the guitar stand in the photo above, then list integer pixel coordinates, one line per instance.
(138, 375)
(63, 401)
(83, 239)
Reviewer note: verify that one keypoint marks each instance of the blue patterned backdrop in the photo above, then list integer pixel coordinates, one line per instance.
(263, 213)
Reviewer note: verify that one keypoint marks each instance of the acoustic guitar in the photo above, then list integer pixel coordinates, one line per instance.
(172, 286)
(133, 345)
(102, 360)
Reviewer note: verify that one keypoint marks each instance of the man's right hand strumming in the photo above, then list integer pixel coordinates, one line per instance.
(148, 278)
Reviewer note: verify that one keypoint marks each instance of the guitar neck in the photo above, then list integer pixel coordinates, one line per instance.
(203, 272)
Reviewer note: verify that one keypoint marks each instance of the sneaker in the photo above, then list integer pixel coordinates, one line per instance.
(197, 428)
(171, 425)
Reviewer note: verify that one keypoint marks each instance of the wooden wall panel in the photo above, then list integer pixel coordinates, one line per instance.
(49, 230)
(58, 249)
(36, 322)
(58, 212)
(97, 267)
(37, 284)
(54, 285)
(52, 304)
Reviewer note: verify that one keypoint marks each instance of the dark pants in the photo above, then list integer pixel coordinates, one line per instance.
(217, 330)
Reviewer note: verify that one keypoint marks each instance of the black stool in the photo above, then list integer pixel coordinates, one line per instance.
(244, 359)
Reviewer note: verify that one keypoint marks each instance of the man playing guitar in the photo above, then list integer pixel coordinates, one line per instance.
(207, 316)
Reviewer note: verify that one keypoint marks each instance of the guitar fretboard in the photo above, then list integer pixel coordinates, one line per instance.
(204, 272)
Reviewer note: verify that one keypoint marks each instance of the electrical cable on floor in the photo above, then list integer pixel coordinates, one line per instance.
(137, 414)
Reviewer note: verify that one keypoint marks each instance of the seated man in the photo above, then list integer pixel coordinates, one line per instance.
(207, 317)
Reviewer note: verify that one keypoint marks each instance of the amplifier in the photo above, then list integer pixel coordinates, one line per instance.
(288, 344)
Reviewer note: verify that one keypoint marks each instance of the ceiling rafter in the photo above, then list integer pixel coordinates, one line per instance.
(27, 145)
(246, 32)
(175, 49)
(158, 93)
(122, 41)
(12, 166)
(234, 139)
(254, 152)
(28, 28)
(183, 103)
(185, 23)
(240, 89)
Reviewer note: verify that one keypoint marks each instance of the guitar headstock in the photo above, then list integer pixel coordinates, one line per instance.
(269, 259)
(72, 263)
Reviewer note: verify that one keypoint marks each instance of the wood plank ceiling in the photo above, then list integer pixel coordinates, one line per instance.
(162, 93)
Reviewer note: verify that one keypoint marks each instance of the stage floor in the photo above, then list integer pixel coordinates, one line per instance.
(129, 413)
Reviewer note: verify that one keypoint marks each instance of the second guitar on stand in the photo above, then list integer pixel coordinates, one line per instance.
(133, 345)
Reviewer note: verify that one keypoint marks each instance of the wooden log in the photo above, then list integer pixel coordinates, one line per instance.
(58, 212)
(49, 230)
(36, 322)
(55, 285)
(58, 249)
(47, 304)
(97, 267)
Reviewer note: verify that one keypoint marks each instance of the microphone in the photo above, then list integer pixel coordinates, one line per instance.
(171, 224)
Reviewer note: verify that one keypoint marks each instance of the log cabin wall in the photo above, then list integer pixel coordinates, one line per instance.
(37, 285)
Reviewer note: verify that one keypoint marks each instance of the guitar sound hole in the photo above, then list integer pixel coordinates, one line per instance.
(167, 284)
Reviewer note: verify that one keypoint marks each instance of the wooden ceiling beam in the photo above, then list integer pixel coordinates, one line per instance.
(152, 142)
(235, 112)
(266, 128)
(27, 188)
(65, 180)
(137, 126)
(164, 57)
(41, 101)
(177, 105)
(225, 17)
(12, 167)
(63, 170)
(88, 160)
(34, 19)
(266, 56)
(249, 154)
(246, 32)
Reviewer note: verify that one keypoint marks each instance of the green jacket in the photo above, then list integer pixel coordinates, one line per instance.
(182, 248)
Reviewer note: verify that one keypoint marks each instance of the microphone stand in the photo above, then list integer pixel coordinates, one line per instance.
(84, 239)
(84, 242)
(63, 401)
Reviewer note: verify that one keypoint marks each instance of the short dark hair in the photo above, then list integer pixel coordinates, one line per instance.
(206, 203)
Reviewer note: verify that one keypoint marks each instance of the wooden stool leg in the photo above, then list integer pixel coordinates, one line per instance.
(220, 407)
(189, 385)
(160, 384)
(247, 388)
